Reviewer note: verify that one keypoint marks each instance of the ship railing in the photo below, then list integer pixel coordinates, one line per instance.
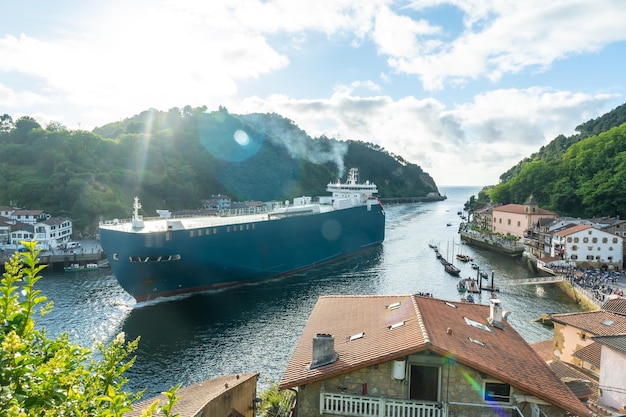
(221, 213)
(242, 211)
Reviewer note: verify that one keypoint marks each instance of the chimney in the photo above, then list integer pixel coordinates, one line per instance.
(323, 350)
(495, 313)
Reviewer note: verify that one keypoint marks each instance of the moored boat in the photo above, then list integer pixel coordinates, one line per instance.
(451, 269)
(463, 258)
(162, 257)
(78, 267)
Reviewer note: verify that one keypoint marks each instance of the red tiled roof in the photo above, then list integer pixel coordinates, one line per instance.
(616, 305)
(572, 230)
(597, 322)
(590, 354)
(519, 209)
(430, 324)
(195, 397)
(544, 349)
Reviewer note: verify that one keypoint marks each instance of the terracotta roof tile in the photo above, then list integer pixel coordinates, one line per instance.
(520, 209)
(616, 342)
(195, 397)
(597, 322)
(430, 324)
(581, 384)
(616, 305)
(544, 349)
(574, 229)
(590, 354)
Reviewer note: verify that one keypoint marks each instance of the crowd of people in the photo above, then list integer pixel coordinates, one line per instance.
(601, 283)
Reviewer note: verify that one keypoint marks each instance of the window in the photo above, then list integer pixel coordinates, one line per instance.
(614, 240)
(569, 239)
(594, 240)
(508, 222)
(424, 382)
(574, 247)
(574, 257)
(497, 392)
(605, 240)
(518, 224)
(575, 240)
(585, 240)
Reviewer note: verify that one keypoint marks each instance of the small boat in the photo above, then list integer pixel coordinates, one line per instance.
(432, 246)
(460, 286)
(463, 258)
(469, 284)
(78, 267)
(451, 269)
(469, 298)
(475, 265)
(449, 224)
(483, 274)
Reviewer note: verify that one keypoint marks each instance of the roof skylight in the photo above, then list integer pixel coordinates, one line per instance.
(393, 306)
(608, 322)
(450, 305)
(357, 336)
(396, 325)
(477, 324)
(478, 342)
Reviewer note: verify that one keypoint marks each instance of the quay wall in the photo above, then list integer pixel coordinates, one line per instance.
(494, 244)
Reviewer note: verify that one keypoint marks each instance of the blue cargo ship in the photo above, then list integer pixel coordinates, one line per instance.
(161, 257)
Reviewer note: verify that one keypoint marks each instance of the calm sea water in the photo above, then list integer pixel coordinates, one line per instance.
(254, 328)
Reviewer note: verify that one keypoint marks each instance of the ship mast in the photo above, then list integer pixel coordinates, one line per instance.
(137, 219)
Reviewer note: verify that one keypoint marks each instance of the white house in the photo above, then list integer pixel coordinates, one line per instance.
(29, 216)
(21, 231)
(586, 245)
(612, 383)
(53, 232)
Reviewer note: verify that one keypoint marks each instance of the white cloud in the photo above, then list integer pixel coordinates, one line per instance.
(125, 57)
(514, 36)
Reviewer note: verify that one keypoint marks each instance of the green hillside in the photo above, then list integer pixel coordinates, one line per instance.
(583, 175)
(174, 159)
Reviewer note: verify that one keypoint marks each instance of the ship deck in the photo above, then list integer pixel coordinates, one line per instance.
(160, 224)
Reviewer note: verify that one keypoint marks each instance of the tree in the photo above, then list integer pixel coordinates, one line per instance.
(40, 376)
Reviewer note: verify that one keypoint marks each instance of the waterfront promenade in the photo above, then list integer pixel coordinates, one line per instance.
(590, 286)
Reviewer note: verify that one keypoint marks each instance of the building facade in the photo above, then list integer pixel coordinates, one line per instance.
(517, 219)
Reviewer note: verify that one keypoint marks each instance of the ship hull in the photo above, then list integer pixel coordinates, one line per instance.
(160, 264)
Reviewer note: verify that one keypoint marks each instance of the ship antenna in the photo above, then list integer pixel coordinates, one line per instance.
(137, 220)
(136, 207)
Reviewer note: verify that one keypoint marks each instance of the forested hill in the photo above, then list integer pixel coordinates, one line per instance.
(174, 159)
(583, 175)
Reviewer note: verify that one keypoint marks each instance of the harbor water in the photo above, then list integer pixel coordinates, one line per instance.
(254, 328)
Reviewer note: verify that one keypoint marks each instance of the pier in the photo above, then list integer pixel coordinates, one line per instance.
(539, 280)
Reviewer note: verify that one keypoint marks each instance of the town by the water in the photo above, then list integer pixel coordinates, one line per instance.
(416, 355)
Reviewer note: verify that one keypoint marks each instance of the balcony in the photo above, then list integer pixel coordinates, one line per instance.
(366, 406)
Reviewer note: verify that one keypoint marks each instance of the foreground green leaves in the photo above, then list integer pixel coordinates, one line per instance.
(40, 376)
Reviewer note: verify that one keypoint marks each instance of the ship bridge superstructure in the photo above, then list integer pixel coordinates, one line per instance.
(352, 189)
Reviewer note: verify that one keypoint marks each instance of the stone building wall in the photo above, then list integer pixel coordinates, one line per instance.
(459, 384)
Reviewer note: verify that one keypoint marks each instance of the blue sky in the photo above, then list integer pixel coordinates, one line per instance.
(464, 89)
